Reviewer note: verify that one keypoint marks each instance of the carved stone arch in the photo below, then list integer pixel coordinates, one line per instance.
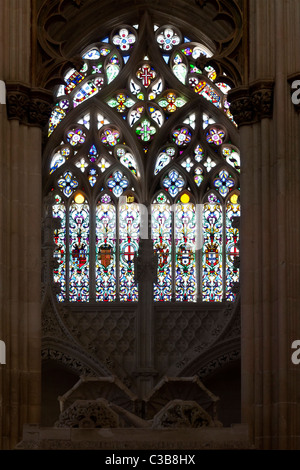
(70, 358)
(224, 352)
(63, 23)
(86, 329)
(56, 41)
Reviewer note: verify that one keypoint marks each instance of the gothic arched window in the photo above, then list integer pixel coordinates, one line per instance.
(142, 130)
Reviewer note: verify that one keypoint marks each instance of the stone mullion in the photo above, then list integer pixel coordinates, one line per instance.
(92, 250)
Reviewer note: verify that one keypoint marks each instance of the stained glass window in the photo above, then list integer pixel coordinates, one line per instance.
(105, 250)
(129, 228)
(162, 242)
(79, 222)
(59, 272)
(135, 123)
(185, 241)
(212, 257)
(233, 212)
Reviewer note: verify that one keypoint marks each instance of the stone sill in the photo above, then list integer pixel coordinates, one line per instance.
(234, 437)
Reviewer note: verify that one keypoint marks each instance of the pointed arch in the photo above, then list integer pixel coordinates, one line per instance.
(144, 117)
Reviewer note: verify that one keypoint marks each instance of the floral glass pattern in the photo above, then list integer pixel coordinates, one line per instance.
(124, 39)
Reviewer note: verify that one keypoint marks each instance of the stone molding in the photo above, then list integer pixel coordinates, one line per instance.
(28, 105)
(250, 104)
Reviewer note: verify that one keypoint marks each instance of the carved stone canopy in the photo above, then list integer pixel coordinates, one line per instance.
(181, 388)
(106, 402)
(102, 414)
(92, 388)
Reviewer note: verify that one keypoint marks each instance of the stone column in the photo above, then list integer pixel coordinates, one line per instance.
(21, 123)
(270, 227)
(146, 272)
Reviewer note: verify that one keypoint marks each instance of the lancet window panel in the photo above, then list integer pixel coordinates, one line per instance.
(95, 248)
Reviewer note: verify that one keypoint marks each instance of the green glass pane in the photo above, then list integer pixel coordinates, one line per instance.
(113, 103)
(163, 103)
(179, 102)
(129, 102)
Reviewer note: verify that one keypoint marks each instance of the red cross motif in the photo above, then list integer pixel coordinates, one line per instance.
(145, 74)
(233, 252)
(129, 253)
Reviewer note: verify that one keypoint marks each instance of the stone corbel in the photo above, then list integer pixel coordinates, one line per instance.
(28, 105)
(250, 104)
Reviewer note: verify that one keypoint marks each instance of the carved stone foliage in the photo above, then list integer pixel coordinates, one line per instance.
(67, 360)
(50, 324)
(182, 414)
(88, 414)
(218, 362)
(253, 103)
(29, 106)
